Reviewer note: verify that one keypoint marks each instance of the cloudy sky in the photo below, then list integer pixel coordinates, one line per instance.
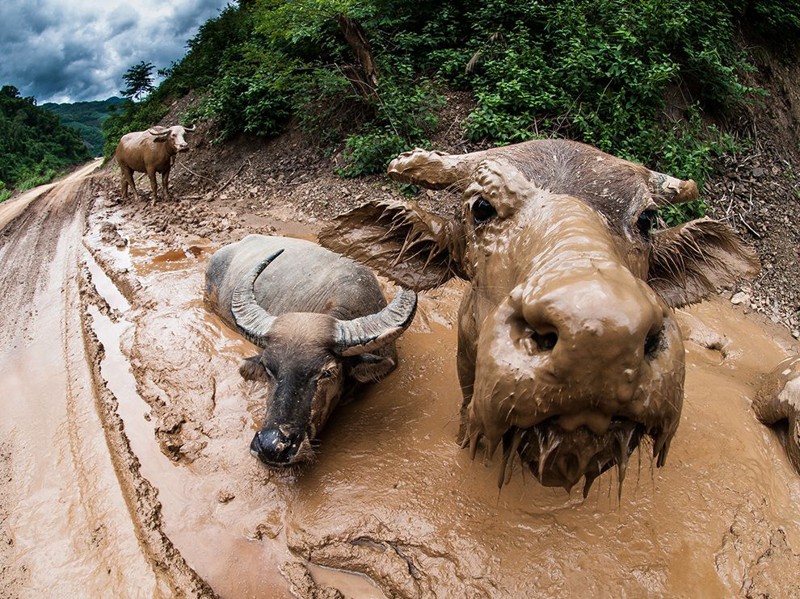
(75, 50)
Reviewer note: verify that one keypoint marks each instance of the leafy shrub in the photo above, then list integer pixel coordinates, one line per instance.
(368, 154)
(405, 113)
(328, 108)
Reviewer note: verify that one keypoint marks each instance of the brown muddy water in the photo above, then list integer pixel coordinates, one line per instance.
(393, 508)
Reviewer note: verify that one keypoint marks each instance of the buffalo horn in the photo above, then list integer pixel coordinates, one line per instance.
(189, 129)
(159, 132)
(368, 333)
(669, 190)
(252, 319)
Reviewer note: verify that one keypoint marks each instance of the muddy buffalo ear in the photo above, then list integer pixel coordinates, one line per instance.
(251, 369)
(434, 170)
(414, 248)
(370, 368)
(691, 261)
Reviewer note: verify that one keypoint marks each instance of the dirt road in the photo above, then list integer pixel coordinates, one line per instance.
(126, 472)
(66, 519)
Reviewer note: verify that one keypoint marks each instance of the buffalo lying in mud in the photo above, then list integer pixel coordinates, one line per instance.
(152, 151)
(323, 325)
(778, 400)
(569, 353)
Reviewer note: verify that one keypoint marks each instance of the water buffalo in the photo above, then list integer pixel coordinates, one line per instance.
(324, 327)
(779, 400)
(152, 151)
(569, 353)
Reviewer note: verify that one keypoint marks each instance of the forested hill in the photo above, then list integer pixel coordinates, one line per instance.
(648, 80)
(34, 144)
(86, 118)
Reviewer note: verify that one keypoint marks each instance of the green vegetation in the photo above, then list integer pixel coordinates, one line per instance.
(86, 118)
(34, 145)
(138, 80)
(638, 79)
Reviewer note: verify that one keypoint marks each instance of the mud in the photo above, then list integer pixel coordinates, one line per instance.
(126, 470)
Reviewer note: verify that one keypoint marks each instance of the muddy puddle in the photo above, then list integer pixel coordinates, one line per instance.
(392, 507)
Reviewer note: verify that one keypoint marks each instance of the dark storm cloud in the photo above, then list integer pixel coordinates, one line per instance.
(68, 52)
(121, 20)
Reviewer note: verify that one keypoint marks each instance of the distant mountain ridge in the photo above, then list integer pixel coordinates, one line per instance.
(86, 118)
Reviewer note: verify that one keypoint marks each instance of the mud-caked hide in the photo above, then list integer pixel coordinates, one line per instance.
(568, 353)
(323, 326)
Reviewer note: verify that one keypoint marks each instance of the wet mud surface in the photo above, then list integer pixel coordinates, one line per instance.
(126, 471)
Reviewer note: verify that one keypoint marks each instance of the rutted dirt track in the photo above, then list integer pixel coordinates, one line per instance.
(125, 465)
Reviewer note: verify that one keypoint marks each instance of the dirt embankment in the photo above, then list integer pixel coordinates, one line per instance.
(757, 191)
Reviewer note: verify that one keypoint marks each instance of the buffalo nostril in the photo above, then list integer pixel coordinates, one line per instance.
(545, 341)
(653, 344)
(275, 448)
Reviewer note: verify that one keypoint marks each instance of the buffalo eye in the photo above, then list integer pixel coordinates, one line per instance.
(482, 210)
(646, 221)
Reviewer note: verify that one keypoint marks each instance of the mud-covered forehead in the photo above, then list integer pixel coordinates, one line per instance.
(300, 341)
(613, 187)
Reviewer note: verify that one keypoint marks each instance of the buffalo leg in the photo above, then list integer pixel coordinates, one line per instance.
(153, 185)
(126, 181)
(465, 367)
(165, 184)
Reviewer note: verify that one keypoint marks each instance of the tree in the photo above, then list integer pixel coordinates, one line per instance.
(139, 80)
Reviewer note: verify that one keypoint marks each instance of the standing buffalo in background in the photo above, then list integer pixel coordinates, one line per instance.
(152, 151)
(324, 327)
(568, 349)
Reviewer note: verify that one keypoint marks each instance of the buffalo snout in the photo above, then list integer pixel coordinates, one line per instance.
(600, 329)
(278, 446)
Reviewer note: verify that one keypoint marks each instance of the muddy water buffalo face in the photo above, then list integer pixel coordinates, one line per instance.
(174, 137)
(569, 353)
(305, 360)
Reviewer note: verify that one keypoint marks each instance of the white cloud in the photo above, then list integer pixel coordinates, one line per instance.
(67, 52)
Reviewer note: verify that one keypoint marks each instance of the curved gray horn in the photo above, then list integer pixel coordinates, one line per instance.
(253, 321)
(368, 333)
(158, 130)
(189, 129)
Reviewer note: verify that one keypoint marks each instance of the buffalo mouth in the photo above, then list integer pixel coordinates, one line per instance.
(560, 458)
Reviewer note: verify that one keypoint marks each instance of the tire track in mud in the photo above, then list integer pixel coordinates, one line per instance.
(65, 523)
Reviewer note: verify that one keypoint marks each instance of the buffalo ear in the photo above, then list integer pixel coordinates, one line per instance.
(251, 369)
(370, 368)
(691, 261)
(414, 248)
